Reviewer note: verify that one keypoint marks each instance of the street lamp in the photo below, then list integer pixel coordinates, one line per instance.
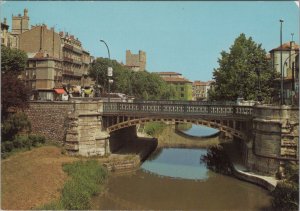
(109, 71)
(281, 67)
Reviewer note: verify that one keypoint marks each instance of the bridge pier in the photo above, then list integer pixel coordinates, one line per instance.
(274, 138)
(84, 134)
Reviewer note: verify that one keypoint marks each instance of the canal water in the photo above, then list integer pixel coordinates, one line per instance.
(173, 178)
(197, 130)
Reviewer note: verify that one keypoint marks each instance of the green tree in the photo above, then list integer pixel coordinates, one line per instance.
(12, 60)
(142, 85)
(236, 75)
(14, 93)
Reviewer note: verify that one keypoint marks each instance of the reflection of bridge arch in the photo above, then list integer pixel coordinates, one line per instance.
(227, 127)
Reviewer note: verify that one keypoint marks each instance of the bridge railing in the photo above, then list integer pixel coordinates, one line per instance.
(180, 102)
(176, 109)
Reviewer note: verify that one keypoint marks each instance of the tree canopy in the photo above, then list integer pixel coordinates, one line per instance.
(13, 91)
(12, 60)
(239, 70)
(142, 85)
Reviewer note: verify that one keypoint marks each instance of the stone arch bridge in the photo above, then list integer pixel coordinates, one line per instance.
(231, 119)
(269, 133)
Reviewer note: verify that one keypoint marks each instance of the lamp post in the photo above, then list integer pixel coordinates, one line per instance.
(109, 70)
(281, 67)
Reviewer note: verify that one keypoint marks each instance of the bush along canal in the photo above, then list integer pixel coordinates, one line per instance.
(182, 178)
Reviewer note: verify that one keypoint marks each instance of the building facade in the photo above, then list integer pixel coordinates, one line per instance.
(55, 60)
(290, 67)
(136, 62)
(8, 39)
(182, 85)
(200, 90)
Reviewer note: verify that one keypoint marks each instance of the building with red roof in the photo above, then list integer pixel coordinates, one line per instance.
(290, 68)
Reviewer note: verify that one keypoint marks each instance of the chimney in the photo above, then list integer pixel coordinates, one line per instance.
(4, 21)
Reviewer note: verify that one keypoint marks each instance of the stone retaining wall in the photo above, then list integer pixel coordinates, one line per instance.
(49, 118)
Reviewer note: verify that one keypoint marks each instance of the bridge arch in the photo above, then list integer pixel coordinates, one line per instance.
(220, 125)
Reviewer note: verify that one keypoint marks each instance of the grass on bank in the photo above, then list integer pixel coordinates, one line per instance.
(85, 182)
(154, 128)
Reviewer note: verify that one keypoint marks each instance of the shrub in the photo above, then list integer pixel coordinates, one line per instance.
(37, 139)
(286, 193)
(285, 196)
(22, 141)
(14, 124)
(7, 146)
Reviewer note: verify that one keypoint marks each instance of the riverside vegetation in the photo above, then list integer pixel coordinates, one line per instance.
(86, 180)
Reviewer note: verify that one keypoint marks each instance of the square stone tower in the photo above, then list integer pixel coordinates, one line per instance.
(136, 62)
(20, 23)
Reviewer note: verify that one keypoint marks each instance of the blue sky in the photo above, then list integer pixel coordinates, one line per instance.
(185, 37)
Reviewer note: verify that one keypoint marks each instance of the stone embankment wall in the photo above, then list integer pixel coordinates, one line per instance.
(49, 118)
(275, 138)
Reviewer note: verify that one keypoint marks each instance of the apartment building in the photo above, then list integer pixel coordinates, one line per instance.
(183, 86)
(200, 90)
(54, 59)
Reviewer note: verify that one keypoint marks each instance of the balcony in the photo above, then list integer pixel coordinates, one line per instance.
(68, 72)
(67, 59)
(67, 46)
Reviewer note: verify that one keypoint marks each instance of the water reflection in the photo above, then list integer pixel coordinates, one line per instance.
(178, 163)
(201, 131)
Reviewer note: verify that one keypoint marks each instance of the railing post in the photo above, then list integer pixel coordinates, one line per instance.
(118, 107)
(184, 108)
(233, 110)
(208, 109)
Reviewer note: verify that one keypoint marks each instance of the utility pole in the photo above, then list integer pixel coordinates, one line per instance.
(281, 67)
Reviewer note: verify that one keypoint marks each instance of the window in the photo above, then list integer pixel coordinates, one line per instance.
(181, 95)
(182, 89)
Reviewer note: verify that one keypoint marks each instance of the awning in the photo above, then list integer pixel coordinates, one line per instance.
(88, 91)
(59, 91)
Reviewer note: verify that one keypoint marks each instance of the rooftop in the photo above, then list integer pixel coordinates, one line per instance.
(168, 73)
(202, 83)
(286, 47)
(171, 79)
